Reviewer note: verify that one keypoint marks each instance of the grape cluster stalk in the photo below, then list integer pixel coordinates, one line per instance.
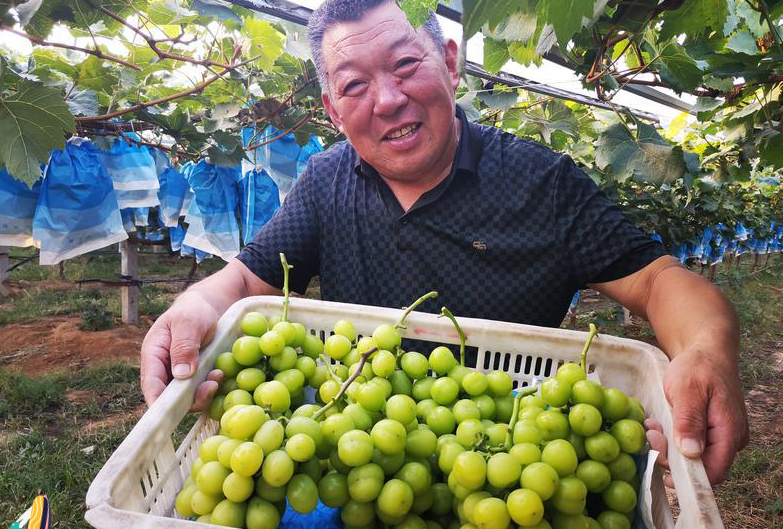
(402, 440)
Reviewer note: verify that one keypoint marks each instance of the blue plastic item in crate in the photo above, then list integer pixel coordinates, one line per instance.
(322, 517)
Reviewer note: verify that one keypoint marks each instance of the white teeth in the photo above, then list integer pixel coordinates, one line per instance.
(402, 132)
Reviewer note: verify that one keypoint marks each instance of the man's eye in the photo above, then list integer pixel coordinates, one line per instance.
(408, 61)
(351, 86)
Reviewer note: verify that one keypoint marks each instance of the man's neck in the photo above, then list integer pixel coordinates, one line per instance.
(407, 193)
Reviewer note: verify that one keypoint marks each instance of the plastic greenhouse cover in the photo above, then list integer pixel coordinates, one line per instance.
(77, 211)
(16, 215)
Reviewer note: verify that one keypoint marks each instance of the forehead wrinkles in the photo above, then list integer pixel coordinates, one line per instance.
(340, 45)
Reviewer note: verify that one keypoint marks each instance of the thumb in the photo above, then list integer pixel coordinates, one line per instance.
(186, 337)
(690, 423)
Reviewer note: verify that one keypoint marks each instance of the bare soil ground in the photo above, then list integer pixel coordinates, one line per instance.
(57, 343)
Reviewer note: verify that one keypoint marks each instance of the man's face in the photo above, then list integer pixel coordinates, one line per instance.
(392, 92)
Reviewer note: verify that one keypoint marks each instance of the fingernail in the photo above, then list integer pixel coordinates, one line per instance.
(181, 370)
(690, 447)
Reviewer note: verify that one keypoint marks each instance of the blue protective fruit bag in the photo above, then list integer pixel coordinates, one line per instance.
(260, 198)
(172, 191)
(77, 211)
(283, 159)
(134, 174)
(17, 210)
(212, 216)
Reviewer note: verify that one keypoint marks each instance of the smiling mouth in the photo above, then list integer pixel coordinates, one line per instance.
(402, 132)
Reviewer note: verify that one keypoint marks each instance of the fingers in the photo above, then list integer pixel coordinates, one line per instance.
(204, 393)
(660, 444)
(690, 421)
(688, 397)
(727, 433)
(216, 375)
(657, 440)
(186, 337)
(171, 347)
(155, 361)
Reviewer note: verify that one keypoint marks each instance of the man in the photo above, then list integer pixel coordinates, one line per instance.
(419, 200)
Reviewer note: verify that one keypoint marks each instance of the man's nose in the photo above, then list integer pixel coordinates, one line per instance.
(389, 95)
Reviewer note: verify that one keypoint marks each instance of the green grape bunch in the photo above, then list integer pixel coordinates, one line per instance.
(401, 439)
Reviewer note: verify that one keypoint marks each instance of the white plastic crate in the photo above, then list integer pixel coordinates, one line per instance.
(138, 484)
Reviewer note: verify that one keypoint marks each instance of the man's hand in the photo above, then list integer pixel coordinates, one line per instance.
(698, 330)
(172, 346)
(709, 416)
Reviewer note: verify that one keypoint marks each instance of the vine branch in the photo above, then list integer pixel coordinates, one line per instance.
(96, 52)
(153, 44)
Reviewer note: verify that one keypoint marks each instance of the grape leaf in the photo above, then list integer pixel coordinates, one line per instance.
(519, 27)
(226, 158)
(264, 41)
(752, 19)
(694, 18)
(524, 54)
(743, 42)
(678, 69)
(27, 9)
(546, 120)
(476, 13)
(33, 121)
(92, 73)
(634, 15)
(499, 99)
(705, 104)
(566, 17)
(418, 11)
(215, 8)
(82, 102)
(495, 55)
(643, 155)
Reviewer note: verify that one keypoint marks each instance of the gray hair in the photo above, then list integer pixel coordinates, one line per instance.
(333, 12)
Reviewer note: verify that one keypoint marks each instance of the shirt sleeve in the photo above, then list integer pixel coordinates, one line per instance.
(600, 243)
(293, 230)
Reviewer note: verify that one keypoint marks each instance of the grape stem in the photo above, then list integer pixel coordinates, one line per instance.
(583, 357)
(286, 268)
(329, 369)
(344, 387)
(401, 322)
(462, 338)
(506, 446)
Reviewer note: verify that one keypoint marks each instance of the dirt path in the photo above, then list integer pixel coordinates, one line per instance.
(44, 345)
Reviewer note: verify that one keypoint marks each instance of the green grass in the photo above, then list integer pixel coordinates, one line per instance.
(40, 300)
(59, 466)
(44, 438)
(44, 443)
(28, 397)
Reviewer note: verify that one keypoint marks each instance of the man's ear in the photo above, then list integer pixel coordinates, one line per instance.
(452, 56)
(333, 115)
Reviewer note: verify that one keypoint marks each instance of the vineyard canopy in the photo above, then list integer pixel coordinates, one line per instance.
(188, 76)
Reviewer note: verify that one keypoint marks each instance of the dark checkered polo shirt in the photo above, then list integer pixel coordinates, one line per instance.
(509, 235)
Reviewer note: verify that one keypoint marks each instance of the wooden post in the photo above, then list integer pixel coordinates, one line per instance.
(626, 316)
(3, 267)
(130, 294)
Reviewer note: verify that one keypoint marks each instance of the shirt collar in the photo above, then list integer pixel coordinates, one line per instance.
(466, 158)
